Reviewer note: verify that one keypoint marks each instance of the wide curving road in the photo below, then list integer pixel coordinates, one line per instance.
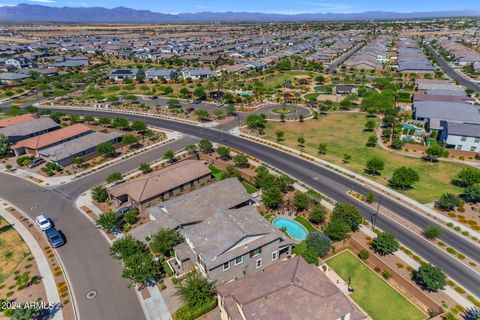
(335, 185)
(452, 73)
(85, 255)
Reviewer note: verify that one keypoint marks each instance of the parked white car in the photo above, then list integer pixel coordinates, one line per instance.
(43, 222)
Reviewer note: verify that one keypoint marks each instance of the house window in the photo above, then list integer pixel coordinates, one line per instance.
(274, 255)
(255, 252)
(459, 147)
(238, 260)
(473, 149)
(258, 264)
(463, 139)
(226, 266)
(477, 140)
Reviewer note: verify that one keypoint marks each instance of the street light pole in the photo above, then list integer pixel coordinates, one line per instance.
(373, 216)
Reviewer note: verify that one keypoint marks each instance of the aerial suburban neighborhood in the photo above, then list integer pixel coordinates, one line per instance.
(240, 161)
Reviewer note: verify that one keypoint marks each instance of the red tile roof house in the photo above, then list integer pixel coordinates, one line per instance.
(287, 290)
(34, 144)
(16, 120)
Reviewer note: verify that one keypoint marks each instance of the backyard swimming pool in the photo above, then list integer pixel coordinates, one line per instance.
(294, 229)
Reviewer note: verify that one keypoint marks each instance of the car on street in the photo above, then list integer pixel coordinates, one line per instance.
(54, 238)
(196, 101)
(219, 104)
(43, 222)
(35, 162)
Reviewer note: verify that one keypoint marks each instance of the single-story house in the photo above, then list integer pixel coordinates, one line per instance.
(16, 120)
(160, 74)
(122, 74)
(196, 74)
(344, 89)
(461, 136)
(34, 144)
(289, 289)
(436, 114)
(158, 186)
(20, 62)
(84, 146)
(28, 129)
(10, 77)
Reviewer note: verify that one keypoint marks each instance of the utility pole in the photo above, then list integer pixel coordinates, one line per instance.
(373, 216)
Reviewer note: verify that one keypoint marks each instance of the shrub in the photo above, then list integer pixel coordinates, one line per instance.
(363, 255)
(387, 274)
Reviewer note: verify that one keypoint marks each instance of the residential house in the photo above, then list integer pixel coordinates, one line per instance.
(10, 77)
(16, 120)
(160, 74)
(84, 147)
(28, 129)
(290, 289)
(20, 62)
(196, 74)
(33, 145)
(436, 114)
(225, 236)
(122, 74)
(461, 136)
(158, 186)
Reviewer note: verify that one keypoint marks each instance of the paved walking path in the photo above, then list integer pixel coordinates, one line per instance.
(42, 263)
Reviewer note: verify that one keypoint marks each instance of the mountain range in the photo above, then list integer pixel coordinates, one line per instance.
(41, 13)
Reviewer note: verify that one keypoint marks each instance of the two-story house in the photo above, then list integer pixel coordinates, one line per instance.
(461, 136)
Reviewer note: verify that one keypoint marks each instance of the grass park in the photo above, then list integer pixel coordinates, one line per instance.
(344, 133)
(13, 250)
(372, 293)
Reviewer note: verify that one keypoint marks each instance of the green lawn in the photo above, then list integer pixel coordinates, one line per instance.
(250, 189)
(306, 224)
(343, 133)
(215, 172)
(4, 116)
(312, 96)
(372, 293)
(278, 78)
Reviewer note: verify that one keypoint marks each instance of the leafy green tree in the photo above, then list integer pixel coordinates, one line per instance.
(195, 291)
(448, 202)
(100, 194)
(256, 122)
(403, 178)
(473, 193)
(284, 182)
(107, 221)
(120, 123)
(301, 141)
(349, 214)
(436, 151)
(130, 217)
(230, 109)
(370, 198)
(370, 125)
(202, 115)
(230, 172)
(128, 139)
(139, 268)
(223, 152)
(78, 161)
(309, 254)
(322, 148)
(4, 146)
(173, 103)
(125, 247)
(169, 155)
(145, 168)
(467, 177)
(114, 177)
(319, 242)
(432, 232)
(205, 146)
(138, 126)
(106, 149)
(385, 243)
(317, 215)
(25, 312)
(372, 141)
(272, 197)
(164, 241)
(240, 160)
(199, 93)
(280, 135)
(104, 121)
(301, 201)
(397, 144)
(337, 230)
(375, 165)
(430, 277)
(88, 118)
(347, 157)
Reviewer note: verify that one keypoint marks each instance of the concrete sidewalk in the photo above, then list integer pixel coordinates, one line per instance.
(42, 263)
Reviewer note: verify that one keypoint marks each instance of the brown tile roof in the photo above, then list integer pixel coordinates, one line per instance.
(52, 137)
(155, 183)
(16, 120)
(287, 290)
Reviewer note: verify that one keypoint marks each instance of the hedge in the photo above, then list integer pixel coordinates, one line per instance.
(188, 313)
(167, 269)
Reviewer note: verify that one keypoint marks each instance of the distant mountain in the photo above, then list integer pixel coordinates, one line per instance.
(39, 13)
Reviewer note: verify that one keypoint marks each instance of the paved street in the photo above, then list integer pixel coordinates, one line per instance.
(453, 73)
(335, 185)
(85, 255)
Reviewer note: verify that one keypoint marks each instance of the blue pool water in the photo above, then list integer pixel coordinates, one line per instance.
(407, 126)
(294, 229)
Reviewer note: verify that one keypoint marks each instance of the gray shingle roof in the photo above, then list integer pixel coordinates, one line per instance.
(447, 111)
(464, 129)
(30, 127)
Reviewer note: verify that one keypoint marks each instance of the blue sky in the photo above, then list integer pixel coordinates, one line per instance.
(270, 6)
